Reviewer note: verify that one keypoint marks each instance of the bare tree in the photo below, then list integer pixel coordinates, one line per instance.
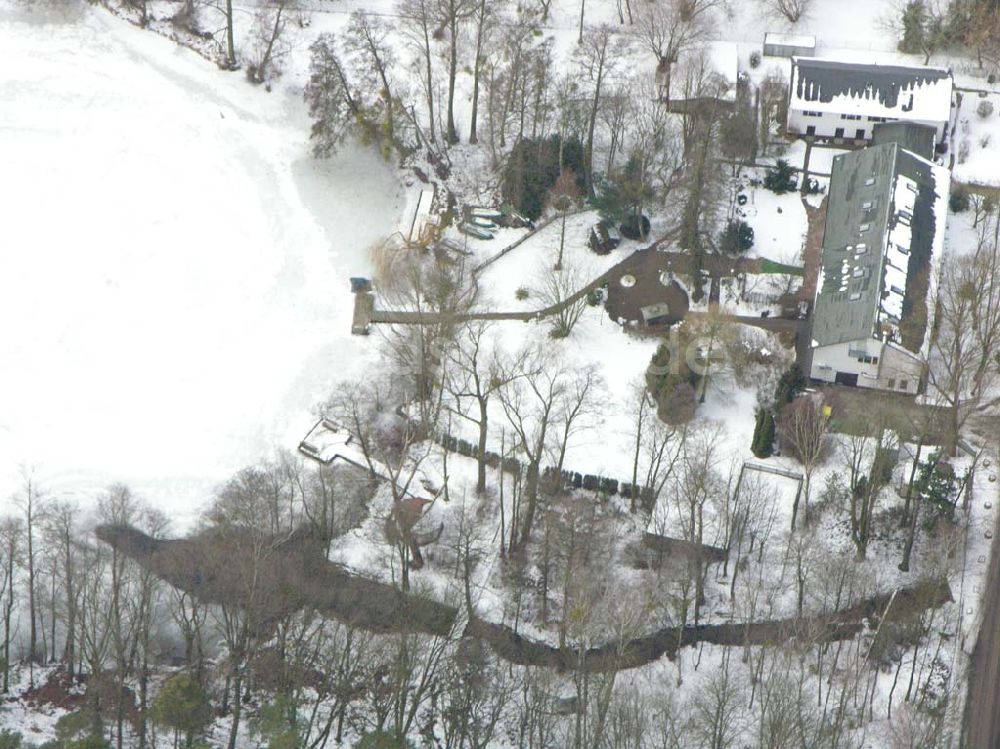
(791, 10)
(483, 15)
(452, 15)
(716, 707)
(478, 371)
(868, 458)
(963, 361)
(563, 195)
(560, 293)
(418, 27)
(668, 27)
(597, 55)
(61, 532)
(582, 396)
(11, 535)
(269, 42)
(803, 426)
(531, 404)
(30, 500)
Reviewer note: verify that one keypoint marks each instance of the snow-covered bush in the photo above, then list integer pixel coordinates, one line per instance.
(781, 178)
(958, 200)
(963, 151)
(736, 238)
(985, 108)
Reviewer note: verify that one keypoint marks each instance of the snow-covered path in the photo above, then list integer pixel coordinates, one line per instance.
(173, 265)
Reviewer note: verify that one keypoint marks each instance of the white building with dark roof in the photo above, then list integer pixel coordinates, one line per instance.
(882, 246)
(835, 99)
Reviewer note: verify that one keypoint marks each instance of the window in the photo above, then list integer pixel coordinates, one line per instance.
(850, 116)
(808, 113)
(897, 290)
(892, 383)
(903, 384)
(876, 119)
(865, 359)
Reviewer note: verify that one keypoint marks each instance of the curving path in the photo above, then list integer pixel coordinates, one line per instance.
(274, 577)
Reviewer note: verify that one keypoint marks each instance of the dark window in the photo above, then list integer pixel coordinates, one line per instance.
(892, 383)
(903, 384)
(810, 130)
(846, 378)
(838, 133)
(860, 135)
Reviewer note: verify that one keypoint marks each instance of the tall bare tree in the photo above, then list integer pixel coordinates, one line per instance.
(478, 371)
(418, 27)
(11, 535)
(597, 55)
(803, 426)
(531, 404)
(452, 15)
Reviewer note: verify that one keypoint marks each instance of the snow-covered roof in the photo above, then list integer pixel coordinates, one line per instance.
(884, 236)
(894, 91)
(790, 40)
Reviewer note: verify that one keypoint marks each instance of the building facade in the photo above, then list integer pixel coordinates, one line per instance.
(845, 100)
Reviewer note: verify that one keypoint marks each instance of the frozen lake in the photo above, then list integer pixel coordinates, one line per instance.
(173, 266)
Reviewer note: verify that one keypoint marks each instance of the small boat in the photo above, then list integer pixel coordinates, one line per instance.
(475, 231)
(483, 223)
(489, 213)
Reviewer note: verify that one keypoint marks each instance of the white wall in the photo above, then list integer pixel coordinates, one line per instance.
(827, 123)
(894, 365)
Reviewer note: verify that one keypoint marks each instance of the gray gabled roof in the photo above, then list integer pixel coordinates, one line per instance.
(913, 137)
(881, 232)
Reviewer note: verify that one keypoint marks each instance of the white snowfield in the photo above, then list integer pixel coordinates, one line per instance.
(174, 266)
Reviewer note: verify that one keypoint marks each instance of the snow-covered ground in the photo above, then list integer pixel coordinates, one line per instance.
(173, 264)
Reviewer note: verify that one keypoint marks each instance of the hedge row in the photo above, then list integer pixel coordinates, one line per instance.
(570, 479)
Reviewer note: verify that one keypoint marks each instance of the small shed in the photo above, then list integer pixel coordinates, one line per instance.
(789, 45)
(604, 238)
(654, 314)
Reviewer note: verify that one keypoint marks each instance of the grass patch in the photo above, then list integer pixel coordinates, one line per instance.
(769, 266)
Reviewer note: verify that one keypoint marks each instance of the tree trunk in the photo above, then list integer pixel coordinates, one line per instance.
(230, 43)
(473, 136)
(588, 163)
(481, 459)
(452, 133)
